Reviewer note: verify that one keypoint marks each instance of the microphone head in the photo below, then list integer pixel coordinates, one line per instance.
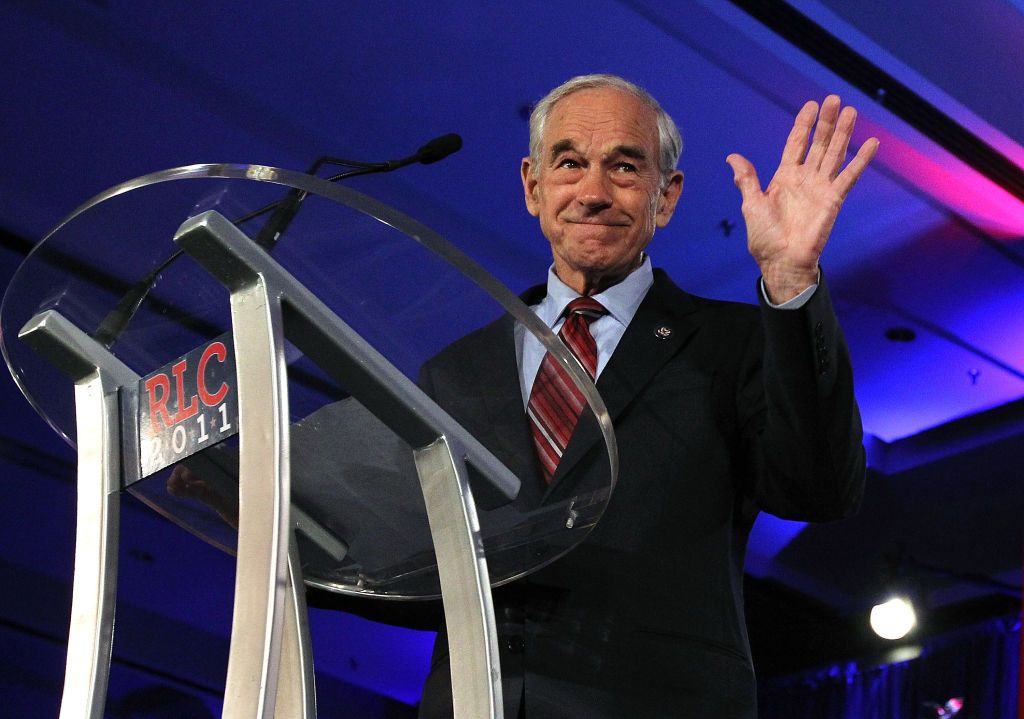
(439, 148)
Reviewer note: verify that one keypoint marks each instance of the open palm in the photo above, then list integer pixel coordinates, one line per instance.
(789, 222)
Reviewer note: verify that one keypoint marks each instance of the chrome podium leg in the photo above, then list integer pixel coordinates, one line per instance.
(96, 539)
(296, 693)
(263, 505)
(99, 377)
(465, 586)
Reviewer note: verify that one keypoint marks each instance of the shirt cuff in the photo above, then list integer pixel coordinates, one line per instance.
(796, 302)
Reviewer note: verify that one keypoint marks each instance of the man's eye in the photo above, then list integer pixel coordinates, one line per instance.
(625, 167)
(568, 163)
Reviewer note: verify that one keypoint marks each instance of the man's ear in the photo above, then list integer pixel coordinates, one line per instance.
(668, 198)
(529, 187)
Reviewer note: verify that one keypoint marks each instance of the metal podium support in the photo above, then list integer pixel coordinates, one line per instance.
(466, 592)
(264, 501)
(98, 377)
(269, 639)
(260, 292)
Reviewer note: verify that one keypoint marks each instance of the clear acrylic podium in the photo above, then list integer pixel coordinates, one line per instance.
(263, 397)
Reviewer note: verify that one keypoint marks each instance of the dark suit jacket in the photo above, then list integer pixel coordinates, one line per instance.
(738, 410)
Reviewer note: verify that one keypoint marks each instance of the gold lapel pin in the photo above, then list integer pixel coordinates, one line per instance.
(663, 332)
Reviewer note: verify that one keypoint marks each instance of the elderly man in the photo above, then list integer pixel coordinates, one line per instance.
(721, 410)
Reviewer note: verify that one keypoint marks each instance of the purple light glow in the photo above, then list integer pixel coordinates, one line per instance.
(950, 181)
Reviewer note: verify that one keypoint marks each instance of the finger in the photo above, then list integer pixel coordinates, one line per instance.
(796, 143)
(849, 176)
(823, 131)
(835, 156)
(745, 177)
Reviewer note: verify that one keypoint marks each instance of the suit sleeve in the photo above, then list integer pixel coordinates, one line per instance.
(800, 423)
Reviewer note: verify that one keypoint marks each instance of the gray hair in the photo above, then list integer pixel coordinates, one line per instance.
(670, 143)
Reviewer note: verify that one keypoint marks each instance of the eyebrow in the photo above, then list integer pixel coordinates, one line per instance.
(637, 153)
(562, 146)
(631, 151)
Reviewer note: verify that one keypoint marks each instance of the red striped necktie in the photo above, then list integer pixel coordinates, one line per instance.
(555, 402)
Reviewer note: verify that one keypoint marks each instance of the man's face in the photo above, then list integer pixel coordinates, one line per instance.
(597, 190)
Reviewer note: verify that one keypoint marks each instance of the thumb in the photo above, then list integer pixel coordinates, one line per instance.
(745, 176)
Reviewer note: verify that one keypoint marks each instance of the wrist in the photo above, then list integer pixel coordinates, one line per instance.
(782, 284)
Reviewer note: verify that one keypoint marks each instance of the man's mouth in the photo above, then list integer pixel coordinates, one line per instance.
(596, 222)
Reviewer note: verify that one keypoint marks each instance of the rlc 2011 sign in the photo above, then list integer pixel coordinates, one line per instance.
(187, 405)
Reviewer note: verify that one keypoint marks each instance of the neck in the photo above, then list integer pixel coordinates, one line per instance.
(589, 284)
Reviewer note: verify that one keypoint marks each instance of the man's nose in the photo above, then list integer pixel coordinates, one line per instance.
(593, 191)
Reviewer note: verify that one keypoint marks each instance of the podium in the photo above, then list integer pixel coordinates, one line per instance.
(263, 396)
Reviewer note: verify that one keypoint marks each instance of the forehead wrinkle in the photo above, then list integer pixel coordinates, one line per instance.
(628, 136)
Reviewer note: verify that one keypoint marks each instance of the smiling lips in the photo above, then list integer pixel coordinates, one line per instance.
(601, 223)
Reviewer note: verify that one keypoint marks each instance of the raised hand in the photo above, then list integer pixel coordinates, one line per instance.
(789, 222)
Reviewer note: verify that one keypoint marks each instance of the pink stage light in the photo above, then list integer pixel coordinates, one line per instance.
(949, 180)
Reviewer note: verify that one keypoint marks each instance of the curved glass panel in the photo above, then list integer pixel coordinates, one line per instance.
(112, 268)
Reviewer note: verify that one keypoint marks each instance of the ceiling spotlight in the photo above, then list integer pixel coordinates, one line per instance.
(894, 618)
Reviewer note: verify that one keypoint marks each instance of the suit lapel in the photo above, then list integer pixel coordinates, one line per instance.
(662, 326)
(503, 425)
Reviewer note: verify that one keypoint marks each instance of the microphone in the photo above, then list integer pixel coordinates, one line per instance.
(439, 148)
(433, 151)
(284, 211)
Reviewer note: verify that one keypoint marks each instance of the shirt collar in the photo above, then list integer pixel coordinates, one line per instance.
(621, 299)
